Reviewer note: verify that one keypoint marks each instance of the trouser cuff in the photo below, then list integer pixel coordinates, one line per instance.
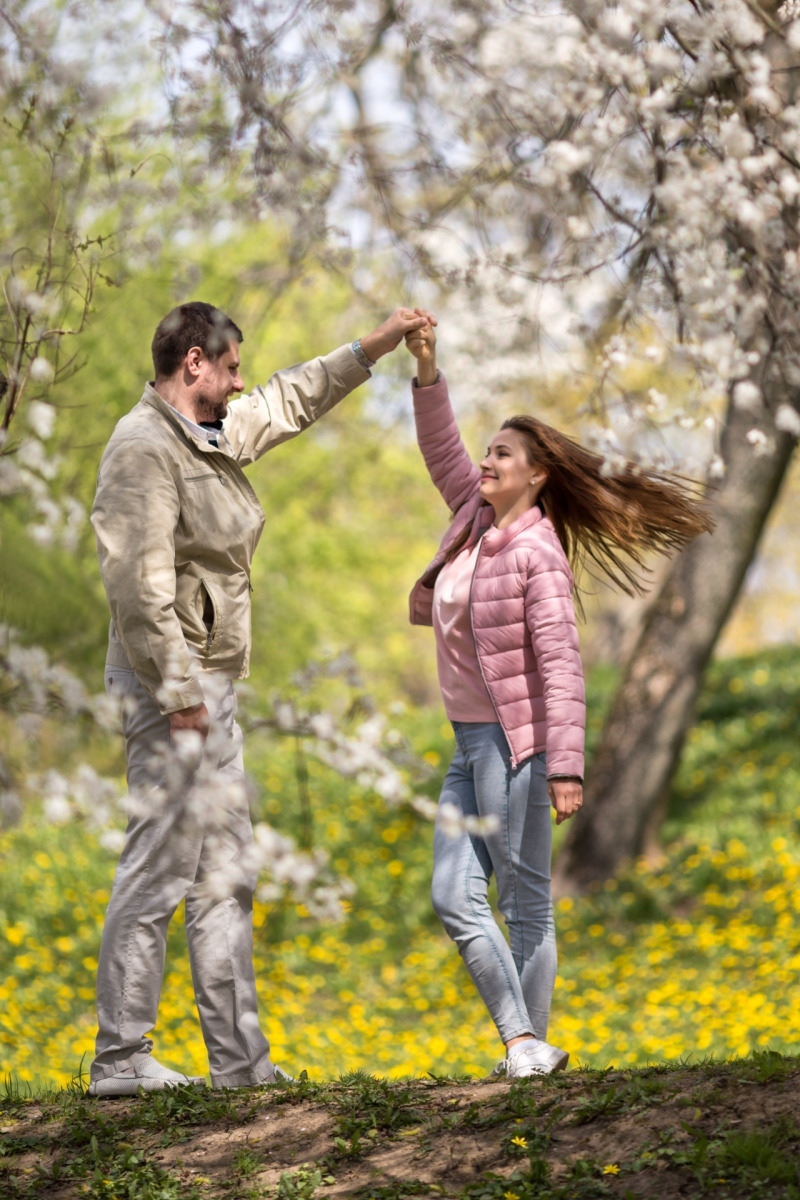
(252, 1078)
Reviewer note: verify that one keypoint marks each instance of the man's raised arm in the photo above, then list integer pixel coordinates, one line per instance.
(292, 399)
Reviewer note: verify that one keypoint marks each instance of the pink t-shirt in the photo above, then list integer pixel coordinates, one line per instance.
(463, 690)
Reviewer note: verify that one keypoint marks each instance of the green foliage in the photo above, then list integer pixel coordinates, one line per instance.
(189, 1106)
(764, 1066)
(367, 1107)
(93, 1157)
(52, 597)
(351, 516)
(301, 1184)
(739, 773)
(767, 1156)
(397, 1191)
(247, 1162)
(688, 1144)
(691, 955)
(760, 1162)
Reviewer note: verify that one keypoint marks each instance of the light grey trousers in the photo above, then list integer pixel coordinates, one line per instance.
(177, 843)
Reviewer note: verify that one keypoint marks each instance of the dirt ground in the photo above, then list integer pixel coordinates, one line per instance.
(631, 1133)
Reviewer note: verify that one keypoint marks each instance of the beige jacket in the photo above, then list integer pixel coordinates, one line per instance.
(177, 524)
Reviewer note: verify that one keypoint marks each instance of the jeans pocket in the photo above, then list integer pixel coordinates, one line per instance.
(118, 679)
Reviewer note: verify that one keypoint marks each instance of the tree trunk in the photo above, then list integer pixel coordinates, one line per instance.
(654, 705)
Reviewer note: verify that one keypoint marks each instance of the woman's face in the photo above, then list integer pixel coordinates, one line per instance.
(507, 478)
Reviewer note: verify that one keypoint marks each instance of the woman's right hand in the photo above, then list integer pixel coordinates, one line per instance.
(566, 797)
(422, 344)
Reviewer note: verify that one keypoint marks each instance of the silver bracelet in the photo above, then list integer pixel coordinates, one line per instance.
(360, 356)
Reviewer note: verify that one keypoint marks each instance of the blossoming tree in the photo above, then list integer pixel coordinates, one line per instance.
(89, 196)
(597, 187)
(592, 183)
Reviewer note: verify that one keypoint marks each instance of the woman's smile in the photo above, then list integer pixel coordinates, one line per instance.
(507, 475)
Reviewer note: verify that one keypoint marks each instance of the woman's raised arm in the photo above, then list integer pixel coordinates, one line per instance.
(449, 465)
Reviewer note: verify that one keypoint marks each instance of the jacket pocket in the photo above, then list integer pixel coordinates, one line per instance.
(210, 607)
(206, 476)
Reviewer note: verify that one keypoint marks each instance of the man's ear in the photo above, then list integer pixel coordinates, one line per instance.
(194, 361)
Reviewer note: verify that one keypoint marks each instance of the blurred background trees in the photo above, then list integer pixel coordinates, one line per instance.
(588, 183)
(601, 202)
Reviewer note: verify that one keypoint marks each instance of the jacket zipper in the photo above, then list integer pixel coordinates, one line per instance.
(206, 475)
(210, 632)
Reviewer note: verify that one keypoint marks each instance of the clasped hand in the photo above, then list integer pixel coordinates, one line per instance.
(421, 342)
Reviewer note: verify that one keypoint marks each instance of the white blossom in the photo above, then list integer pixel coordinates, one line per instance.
(42, 370)
(284, 716)
(455, 824)
(57, 809)
(747, 396)
(41, 418)
(112, 840)
(760, 442)
(716, 468)
(787, 420)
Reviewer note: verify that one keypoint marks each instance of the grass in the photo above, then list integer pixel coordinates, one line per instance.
(695, 954)
(726, 1130)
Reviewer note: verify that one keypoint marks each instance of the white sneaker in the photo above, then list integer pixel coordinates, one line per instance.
(149, 1074)
(276, 1075)
(535, 1058)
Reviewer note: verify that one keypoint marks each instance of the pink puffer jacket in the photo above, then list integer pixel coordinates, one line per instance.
(523, 618)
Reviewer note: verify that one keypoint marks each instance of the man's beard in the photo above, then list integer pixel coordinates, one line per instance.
(209, 409)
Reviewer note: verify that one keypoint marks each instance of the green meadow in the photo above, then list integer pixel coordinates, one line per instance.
(693, 952)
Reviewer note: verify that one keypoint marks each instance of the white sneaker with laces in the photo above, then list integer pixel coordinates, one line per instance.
(149, 1074)
(534, 1058)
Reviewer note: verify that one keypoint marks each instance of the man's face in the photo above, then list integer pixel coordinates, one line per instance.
(217, 382)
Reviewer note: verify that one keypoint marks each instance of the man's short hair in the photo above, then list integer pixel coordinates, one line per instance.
(188, 325)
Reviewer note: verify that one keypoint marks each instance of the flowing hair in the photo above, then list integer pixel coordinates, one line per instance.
(608, 522)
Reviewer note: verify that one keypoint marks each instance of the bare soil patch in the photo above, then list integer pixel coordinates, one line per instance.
(722, 1130)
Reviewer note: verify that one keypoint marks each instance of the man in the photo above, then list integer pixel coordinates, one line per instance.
(176, 524)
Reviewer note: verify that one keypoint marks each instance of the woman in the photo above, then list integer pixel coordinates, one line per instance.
(499, 596)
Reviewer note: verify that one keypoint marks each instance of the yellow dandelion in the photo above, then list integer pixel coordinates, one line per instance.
(611, 1169)
(520, 1141)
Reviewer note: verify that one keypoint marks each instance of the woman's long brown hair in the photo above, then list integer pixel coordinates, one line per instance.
(608, 521)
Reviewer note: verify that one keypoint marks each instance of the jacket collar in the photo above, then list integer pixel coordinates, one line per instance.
(152, 399)
(481, 521)
(496, 539)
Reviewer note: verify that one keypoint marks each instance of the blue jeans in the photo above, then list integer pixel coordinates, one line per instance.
(516, 983)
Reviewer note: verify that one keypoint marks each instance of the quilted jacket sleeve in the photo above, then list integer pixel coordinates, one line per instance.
(289, 402)
(550, 617)
(134, 517)
(449, 465)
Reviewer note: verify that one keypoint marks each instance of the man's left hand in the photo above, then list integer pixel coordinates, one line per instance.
(389, 335)
(195, 718)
